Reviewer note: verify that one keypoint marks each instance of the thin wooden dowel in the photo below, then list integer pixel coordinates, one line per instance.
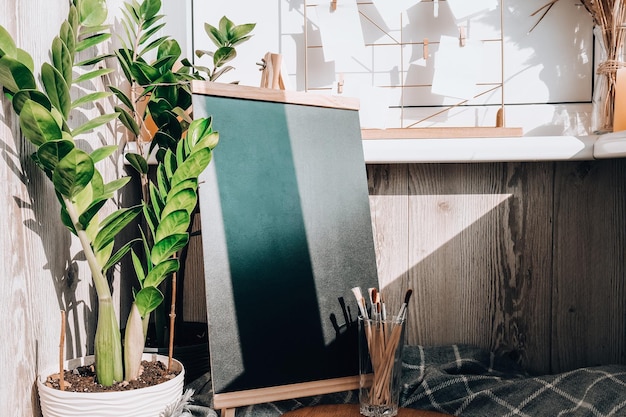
(62, 353)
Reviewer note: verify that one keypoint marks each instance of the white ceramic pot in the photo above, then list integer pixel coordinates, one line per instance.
(143, 402)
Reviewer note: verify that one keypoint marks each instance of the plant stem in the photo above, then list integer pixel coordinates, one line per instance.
(108, 343)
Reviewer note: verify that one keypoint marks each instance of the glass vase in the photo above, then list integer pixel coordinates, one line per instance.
(610, 57)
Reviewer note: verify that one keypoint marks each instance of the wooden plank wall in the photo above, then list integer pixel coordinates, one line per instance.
(521, 258)
(42, 269)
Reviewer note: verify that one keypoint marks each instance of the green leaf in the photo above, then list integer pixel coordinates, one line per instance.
(72, 173)
(239, 32)
(138, 267)
(149, 8)
(57, 89)
(151, 218)
(128, 121)
(169, 162)
(92, 12)
(85, 218)
(208, 141)
(169, 48)
(115, 185)
(94, 123)
(51, 152)
(223, 55)
(193, 166)
(131, 11)
(118, 255)
(15, 76)
(7, 44)
(184, 199)
(88, 31)
(144, 73)
(160, 272)
(167, 247)
(92, 40)
(91, 192)
(122, 97)
(154, 44)
(156, 201)
(177, 222)
(113, 225)
(163, 182)
(146, 35)
(67, 36)
(226, 26)
(23, 95)
(67, 221)
(26, 59)
(94, 60)
(38, 124)
(100, 153)
(62, 59)
(138, 162)
(191, 183)
(87, 98)
(215, 35)
(150, 22)
(72, 18)
(147, 300)
(198, 129)
(92, 74)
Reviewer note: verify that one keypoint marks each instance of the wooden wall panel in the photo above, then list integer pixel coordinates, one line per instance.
(479, 256)
(42, 269)
(522, 258)
(589, 294)
(388, 189)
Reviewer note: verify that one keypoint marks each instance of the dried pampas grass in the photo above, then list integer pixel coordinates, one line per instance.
(609, 17)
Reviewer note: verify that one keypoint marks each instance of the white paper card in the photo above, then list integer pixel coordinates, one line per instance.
(341, 33)
(463, 9)
(390, 10)
(457, 68)
(373, 103)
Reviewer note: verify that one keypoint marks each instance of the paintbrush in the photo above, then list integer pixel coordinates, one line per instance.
(402, 313)
(360, 302)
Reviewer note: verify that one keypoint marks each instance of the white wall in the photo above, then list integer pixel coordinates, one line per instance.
(545, 71)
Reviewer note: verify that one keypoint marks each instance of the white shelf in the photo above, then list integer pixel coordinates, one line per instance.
(504, 149)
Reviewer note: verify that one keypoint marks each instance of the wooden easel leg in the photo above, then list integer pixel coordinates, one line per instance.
(228, 412)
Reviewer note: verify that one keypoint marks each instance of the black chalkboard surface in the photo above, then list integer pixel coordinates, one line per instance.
(286, 234)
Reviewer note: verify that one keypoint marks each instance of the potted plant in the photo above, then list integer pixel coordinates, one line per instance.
(45, 117)
(156, 110)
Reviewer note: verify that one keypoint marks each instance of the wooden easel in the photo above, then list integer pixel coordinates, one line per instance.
(271, 76)
(227, 403)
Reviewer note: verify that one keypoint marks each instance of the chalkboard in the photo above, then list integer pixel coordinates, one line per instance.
(286, 234)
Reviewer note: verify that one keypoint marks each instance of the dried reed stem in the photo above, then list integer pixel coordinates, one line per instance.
(61, 353)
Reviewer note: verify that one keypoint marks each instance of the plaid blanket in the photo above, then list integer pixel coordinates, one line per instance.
(463, 380)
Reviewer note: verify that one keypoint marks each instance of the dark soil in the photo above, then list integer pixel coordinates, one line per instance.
(83, 379)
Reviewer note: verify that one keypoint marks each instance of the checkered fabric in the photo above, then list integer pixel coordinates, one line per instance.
(467, 381)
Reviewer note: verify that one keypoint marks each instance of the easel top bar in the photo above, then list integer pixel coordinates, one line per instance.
(208, 88)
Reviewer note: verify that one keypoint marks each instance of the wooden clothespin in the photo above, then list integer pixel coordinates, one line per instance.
(340, 83)
(462, 36)
(271, 67)
(425, 52)
(333, 5)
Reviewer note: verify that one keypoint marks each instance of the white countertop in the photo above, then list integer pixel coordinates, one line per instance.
(501, 149)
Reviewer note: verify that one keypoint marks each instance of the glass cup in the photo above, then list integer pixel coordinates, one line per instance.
(380, 365)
